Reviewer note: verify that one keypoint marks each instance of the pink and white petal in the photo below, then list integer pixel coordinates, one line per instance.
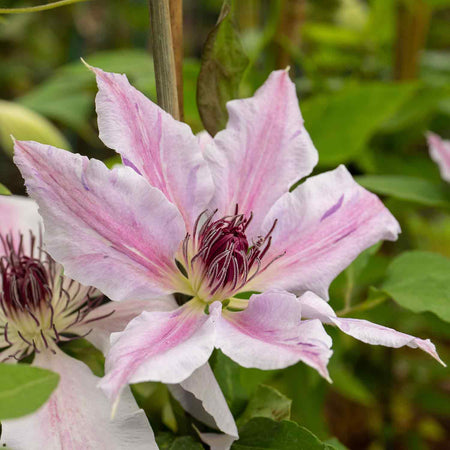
(151, 141)
(77, 416)
(374, 334)
(263, 151)
(112, 317)
(160, 346)
(217, 441)
(440, 154)
(314, 307)
(322, 226)
(204, 140)
(18, 215)
(270, 334)
(109, 228)
(202, 397)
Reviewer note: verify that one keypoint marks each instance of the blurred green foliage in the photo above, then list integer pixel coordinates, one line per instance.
(372, 77)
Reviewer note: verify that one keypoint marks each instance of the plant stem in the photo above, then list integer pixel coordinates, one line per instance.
(176, 23)
(163, 57)
(364, 306)
(29, 9)
(349, 273)
(413, 20)
(291, 21)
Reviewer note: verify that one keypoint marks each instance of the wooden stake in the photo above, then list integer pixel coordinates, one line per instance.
(176, 22)
(413, 20)
(163, 57)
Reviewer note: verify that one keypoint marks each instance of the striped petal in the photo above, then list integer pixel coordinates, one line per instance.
(270, 334)
(109, 228)
(314, 307)
(152, 142)
(160, 346)
(322, 226)
(263, 151)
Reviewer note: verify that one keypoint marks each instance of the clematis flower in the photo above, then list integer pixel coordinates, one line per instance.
(212, 219)
(39, 308)
(440, 154)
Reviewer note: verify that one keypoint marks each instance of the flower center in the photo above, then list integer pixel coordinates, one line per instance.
(223, 261)
(39, 307)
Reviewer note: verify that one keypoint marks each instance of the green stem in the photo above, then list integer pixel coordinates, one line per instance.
(29, 9)
(364, 306)
(349, 288)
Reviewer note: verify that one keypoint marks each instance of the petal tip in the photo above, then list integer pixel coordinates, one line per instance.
(93, 69)
(86, 64)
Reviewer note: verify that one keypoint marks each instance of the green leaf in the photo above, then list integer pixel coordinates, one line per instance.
(4, 190)
(419, 281)
(167, 441)
(223, 64)
(24, 124)
(227, 373)
(416, 110)
(341, 124)
(412, 189)
(262, 433)
(23, 389)
(307, 389)
(83, 350)
(334, 444)
(266, 402)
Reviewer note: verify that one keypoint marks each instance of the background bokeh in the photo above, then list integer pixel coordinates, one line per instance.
(372, 77)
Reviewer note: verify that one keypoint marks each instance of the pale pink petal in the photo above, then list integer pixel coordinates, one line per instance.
(374, 334)
(162, 149)
(270, 334)
(322, 226)
(217, 441)
(160, 346)
(440, 154)
(109, 228)
(77, 416)
(204, 140)
(262, 152)
(115, 316)
(18, 215)
(314, 307)
(201, 396)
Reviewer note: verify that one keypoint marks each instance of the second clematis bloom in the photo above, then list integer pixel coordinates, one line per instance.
(440, 153)
(39, 308)
(211, 219)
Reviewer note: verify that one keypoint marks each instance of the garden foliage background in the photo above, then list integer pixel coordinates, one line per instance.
(372, 77)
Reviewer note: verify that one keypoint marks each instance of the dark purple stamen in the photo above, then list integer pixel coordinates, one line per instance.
(222, 246)
(24, 278)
